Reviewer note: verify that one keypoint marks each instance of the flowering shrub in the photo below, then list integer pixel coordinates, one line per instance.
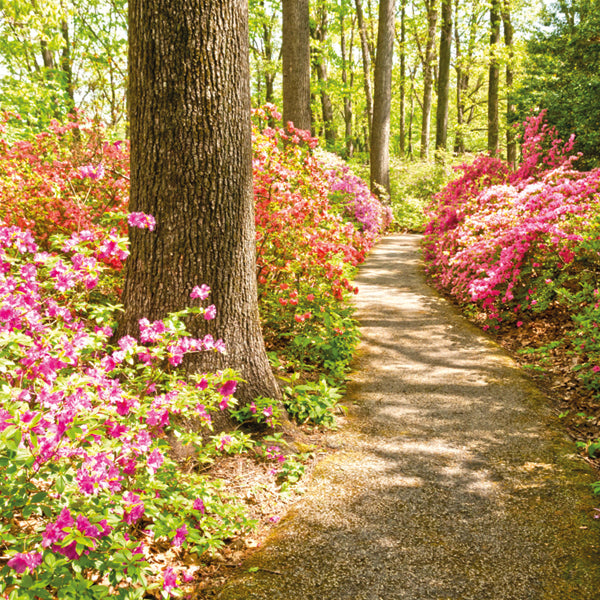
(64, 180)
(90, 485)
(88, 481)
(519, 242)
(354, 197)
(307, 251)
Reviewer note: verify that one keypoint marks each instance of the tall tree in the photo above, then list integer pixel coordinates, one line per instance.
(511, 108)
(382, 101)
(427, 54)
(493, 136)
(402, 52)
(366, 63)
(295, 52)
(191, 168)
(319, 34)
(470, 77)
(347, 81)
(263, 17)
(441, 132)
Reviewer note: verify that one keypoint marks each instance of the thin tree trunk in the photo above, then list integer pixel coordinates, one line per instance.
(494, 81)
(268, 57)
(65, 65)
(366, 63)
(191, 168)
(380, 134)
(320, 35)
(412, 115)
(511, 109)
(47, 56)
(347, 96)
(441, 134)
(428, 60)
(296, 63)
(403, 79)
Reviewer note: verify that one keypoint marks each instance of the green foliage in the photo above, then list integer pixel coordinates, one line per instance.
(312, 402)
(563, 74)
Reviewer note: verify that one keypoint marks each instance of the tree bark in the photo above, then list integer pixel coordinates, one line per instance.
(320, 35)
(347, 97)
(191, 168)
(428, 76)
(403, 79)
(511, 108)
(380, 134)
(65, 65)
(366, 63)
(494, 81)
(295, 50)
(441, 131)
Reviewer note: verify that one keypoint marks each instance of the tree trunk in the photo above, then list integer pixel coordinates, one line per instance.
(511, 108)
(494, 81)
(403, 79)
(441, 132)
(428, 79)
(347, 97)
(366, 63)
(268, 50)
(320, 35)
(295, 51)
(191, 168)
(65, 65)
(380, 133)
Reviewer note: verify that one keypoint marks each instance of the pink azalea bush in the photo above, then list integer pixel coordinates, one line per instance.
(514, 243)
(87, 481)
(308, 244)
(353, 195)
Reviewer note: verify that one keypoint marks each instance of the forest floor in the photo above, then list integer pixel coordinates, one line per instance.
(453, 477)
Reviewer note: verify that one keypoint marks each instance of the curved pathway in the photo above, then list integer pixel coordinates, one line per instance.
(451, 481)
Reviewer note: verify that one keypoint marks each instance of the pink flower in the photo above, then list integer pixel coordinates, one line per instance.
(180, 535)
(228, 388)
(210, 313)
(169, 579)
(155, 460)
(20, 562)
(92, 172)
(201, 292)
(199, 505)
(596, 368)
(134, 508)
(141, 221)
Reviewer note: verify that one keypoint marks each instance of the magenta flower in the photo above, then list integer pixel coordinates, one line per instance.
(155, 460)
(180, 535)
(199, 505)
(169, 579)
(22, 561)
(210, 313)
(141, 221)
(92, 172)
(134, 508)
(201, 292)
(228, 388)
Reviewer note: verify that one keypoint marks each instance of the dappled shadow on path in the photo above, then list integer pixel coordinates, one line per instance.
(450, 481)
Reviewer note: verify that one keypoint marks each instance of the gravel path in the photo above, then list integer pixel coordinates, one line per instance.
(451, 481)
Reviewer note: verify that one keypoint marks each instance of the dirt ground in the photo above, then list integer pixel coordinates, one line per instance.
(452, 479)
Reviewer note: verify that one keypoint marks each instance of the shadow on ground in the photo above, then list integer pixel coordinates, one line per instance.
(451, 480)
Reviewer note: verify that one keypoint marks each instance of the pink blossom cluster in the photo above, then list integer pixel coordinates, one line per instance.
(356, 197)
(490, 228)
(88, 420)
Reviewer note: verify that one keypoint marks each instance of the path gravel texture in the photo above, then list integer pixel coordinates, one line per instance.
(452, 479)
